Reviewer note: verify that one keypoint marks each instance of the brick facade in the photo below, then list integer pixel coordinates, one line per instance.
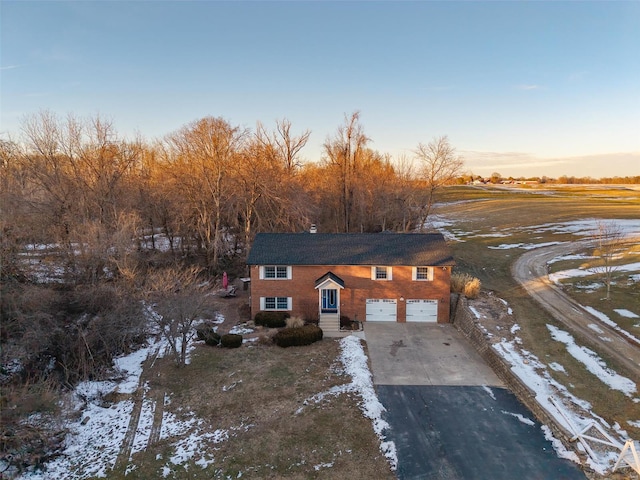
(358, 287)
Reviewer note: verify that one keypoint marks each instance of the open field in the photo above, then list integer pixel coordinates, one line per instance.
(490, 227)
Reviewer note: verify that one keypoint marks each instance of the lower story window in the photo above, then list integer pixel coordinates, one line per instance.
(275, 303)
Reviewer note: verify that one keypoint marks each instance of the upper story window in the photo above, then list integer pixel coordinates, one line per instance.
(275, 272)
(381, 273)
(423, 274)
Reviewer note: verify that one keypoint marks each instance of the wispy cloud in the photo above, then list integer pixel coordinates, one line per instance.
(528, 87)
(13, 67)
(525, 164)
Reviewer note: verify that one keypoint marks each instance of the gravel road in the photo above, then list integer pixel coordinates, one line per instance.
(530, 270)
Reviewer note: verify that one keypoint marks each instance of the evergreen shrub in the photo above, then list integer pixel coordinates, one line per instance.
(271, 319)
(292, 337)
(231, 340)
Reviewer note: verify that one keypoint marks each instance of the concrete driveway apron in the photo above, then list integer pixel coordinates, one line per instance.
(450, 415)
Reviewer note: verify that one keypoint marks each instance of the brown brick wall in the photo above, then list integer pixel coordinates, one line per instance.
(358, 287)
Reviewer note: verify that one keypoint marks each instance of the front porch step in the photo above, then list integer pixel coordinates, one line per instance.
(329, 322)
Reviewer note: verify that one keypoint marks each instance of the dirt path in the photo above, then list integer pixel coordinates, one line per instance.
(530, 270)
(138, 398)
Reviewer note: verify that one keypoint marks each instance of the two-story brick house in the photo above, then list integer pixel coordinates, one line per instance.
(398, 277)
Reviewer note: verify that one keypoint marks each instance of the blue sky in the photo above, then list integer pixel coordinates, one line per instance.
(521, 88)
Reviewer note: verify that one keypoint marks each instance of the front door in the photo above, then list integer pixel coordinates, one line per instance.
(329, 300)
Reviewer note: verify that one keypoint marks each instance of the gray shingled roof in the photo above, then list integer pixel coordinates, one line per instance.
(416, 249)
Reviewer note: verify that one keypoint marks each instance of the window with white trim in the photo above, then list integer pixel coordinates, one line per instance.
(275, 303)
(275, 272)
(381, 273)
(422, 274)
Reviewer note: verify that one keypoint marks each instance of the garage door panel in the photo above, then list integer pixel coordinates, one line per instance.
(382, 310)
(422, 310)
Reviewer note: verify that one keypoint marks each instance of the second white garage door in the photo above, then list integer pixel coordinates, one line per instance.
(381, 310)
(422, 310)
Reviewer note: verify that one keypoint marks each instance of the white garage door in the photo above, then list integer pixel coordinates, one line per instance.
(381, 310)
(422, 310)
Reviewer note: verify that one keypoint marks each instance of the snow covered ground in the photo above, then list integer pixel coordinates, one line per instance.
(580, 228)
(569, 411)
(633, 267)
(96, 437)
(572, 413)
(354, 362)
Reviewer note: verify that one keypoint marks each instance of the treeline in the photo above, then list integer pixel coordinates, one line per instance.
(106, 239)
(628, 180)
(88, 220)
(562, 180)
(205, 190)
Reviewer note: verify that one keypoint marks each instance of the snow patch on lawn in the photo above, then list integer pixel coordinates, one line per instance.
(560, 258)
(354, 362)
(551, 395)
(605, 319)
(92, 447)
(194, 441)
(571, 273)
(623, 312)
(524, 246)
(588, 227)
(95, 438)
(593, 363)
(556, 367)
(241, 330)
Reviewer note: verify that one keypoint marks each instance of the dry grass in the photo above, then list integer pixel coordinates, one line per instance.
(465, 284)
(472, 288)
(295, 322)
(491, 217)
(258, 393)
(458, 281)
(31, 426)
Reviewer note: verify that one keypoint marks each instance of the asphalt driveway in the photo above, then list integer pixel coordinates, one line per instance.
(450, 416)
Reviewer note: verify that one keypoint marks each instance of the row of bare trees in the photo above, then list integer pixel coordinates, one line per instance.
(106, 239)
(206, 188)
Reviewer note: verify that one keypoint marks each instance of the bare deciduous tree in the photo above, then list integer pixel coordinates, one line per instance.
(283, 144)
(345, 154)
(203, 155)
(177, 298)
(609, 241)
(439, 165)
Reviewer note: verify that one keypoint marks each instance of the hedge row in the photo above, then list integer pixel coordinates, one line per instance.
(290, 337)
(271, 319)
